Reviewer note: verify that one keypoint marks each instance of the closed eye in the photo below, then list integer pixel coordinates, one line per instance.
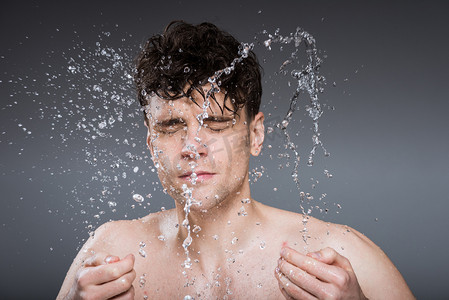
(217, 124)
(170, 126)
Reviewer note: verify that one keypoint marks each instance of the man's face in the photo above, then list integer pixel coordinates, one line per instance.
(217, 152)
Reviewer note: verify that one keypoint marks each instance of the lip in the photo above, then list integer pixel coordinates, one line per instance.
(200, 176)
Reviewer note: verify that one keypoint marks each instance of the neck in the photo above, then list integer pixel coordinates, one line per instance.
(226, 227)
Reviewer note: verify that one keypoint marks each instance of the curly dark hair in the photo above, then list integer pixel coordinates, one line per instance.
(188, 55)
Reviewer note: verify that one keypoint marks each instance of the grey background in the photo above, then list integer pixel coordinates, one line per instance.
(387, 135)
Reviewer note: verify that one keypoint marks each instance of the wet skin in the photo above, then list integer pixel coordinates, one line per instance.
(260, 254)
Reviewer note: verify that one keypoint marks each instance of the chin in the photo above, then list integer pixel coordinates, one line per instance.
(202, 202)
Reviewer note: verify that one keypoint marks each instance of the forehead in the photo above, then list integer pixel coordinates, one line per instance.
(183, 107)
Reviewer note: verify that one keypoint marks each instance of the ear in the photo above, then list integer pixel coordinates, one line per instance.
(149, 144)
(257, 133)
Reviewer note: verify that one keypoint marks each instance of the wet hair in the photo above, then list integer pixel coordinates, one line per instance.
(186, 55)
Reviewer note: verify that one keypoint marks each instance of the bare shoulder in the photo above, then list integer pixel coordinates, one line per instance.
(124, 236)
(118, 238)
(376, 273)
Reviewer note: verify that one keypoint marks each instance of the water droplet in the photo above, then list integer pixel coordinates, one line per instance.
(142, 280)
(161, 238)
(267, 44)
(138, 198)
(262, 245)
(142, 253)
(102, 124)
(187, 242)
(196, 229)
(242, 212)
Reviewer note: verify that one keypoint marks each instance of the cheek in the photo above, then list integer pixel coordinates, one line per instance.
(163, 156)
(218, 152)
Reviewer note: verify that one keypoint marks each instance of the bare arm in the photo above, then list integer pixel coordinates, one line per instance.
(96, 274)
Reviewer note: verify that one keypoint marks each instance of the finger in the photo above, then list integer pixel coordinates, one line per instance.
(100, 258)
(104, 273)
(129, 294)
(330, 256)
(119, 288)
(111, 259)
(289, 289)
(277, 274)
(95, 260)
(284, 293)
(303, 279)
(321, 270)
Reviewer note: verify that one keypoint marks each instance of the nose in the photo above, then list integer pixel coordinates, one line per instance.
(193, 145)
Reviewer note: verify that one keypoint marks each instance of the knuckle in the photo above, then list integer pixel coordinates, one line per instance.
(114, 272)
(342, 279)
(125, 283)
(82, 279)
(330, 251)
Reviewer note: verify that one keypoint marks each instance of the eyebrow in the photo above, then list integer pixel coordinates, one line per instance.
(217, 119)
(176, 121)
(169, 122)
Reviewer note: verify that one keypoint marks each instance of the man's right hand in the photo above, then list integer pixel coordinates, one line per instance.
(104, 276)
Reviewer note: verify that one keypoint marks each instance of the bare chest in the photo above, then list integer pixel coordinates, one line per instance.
(238, 278)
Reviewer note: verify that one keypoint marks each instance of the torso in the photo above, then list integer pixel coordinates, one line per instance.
(242, 272)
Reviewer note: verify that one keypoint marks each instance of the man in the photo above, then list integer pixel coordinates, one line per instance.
(201, 91)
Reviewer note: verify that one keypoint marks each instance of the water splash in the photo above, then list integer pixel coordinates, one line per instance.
(102, 77)
(309, 81)
(188, 240)
(214, 83)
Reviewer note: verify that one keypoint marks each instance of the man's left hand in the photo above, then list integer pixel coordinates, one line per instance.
(324, 274)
